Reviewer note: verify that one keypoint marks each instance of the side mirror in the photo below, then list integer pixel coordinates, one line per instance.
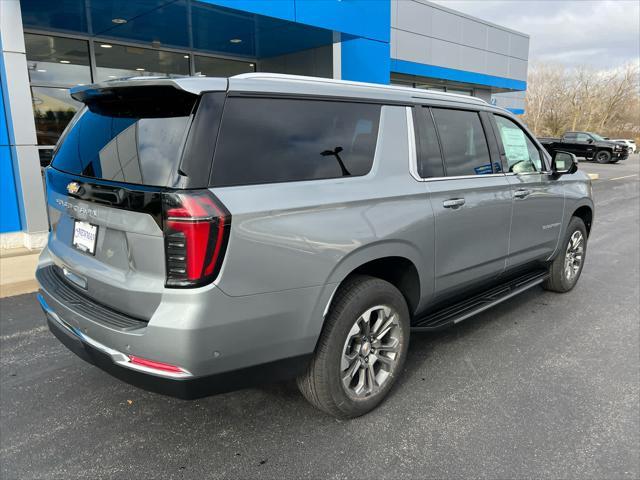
(590, 140)
(564, 163)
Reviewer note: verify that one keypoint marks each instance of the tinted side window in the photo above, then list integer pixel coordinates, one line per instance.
(265, 140)
(429, 158)
(583, 137)
(464, 145)
(522, 155)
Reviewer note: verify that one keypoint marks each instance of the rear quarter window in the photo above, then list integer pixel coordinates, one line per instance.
(268, 140)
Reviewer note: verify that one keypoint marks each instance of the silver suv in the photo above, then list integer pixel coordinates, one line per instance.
(210, 233)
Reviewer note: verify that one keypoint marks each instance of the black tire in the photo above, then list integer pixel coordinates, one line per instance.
(558, 280)
(614, 160)
(322, 383)
(602, 156)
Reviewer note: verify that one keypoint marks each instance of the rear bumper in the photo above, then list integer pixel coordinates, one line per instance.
(219, 342)
(188, 387)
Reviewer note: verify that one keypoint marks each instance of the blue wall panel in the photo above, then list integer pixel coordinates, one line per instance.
(363, 18)
(432, 71)
(9, 212)
(4, 133)
(365, 60)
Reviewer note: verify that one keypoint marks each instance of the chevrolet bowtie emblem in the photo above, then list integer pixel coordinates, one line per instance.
(73, 188)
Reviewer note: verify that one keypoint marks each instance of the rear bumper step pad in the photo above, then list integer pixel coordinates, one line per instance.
(53, 283)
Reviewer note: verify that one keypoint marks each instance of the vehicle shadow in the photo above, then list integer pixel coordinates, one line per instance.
(285, 395)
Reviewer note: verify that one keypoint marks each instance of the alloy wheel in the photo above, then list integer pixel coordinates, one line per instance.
(574, 255)
(371, 352)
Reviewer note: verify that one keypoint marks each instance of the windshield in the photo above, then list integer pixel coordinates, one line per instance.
(597, 137)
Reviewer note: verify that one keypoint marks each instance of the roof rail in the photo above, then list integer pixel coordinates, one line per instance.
(415, 92)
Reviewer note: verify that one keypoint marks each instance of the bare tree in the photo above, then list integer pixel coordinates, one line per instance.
(560, 98)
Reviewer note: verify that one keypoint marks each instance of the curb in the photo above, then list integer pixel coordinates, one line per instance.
(18, 288)
(17, 272)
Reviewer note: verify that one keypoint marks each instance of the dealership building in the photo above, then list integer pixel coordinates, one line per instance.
(48, 46)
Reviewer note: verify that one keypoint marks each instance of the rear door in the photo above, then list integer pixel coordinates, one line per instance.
(104, 193)
(538, 198)
(470, 197)
(580, 144)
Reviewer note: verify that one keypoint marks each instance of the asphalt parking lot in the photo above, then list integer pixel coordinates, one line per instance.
(544, 385)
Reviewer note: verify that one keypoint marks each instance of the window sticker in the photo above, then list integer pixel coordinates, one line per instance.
(515, 144)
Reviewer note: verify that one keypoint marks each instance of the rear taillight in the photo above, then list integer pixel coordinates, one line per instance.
(196, 232)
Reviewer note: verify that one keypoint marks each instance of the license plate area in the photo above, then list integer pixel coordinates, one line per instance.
(85, 236)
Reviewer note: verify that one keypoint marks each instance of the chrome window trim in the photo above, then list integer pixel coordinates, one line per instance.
(463, 177)
(411, 142)
(513, 174)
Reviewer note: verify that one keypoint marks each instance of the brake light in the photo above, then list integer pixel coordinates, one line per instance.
(196, 232)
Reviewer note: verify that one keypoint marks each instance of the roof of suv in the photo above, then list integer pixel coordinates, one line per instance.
(281, 83)
(276, 82)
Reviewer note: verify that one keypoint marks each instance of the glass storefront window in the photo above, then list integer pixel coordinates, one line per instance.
(117, 61)
(63, 61)
(460, 92)
(221, 67)
(53, 108)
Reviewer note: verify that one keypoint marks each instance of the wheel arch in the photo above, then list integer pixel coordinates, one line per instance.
(395, 262)
(585, 213)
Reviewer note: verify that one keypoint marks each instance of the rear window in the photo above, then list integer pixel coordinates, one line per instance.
(464, 144)
(134, 140)
(266, 140)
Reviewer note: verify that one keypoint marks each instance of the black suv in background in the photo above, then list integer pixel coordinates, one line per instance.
(588, 145)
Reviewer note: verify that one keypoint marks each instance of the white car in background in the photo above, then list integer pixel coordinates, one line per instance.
(631, 144)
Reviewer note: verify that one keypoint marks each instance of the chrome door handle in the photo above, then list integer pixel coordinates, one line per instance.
(453, 203)
(521, 193)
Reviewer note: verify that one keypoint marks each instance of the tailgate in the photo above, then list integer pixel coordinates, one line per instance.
(125, 269)
(118, 157)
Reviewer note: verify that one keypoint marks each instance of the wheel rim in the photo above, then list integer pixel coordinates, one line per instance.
(601, 156)
(574, 255)
(371, 352)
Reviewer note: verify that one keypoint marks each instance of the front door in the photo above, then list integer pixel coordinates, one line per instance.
(538, 199)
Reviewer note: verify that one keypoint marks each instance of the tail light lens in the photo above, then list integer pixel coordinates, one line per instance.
(196, 232)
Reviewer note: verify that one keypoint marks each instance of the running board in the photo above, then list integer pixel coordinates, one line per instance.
(478, 303)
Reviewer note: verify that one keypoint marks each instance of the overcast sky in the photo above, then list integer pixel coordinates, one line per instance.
(602, 33)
